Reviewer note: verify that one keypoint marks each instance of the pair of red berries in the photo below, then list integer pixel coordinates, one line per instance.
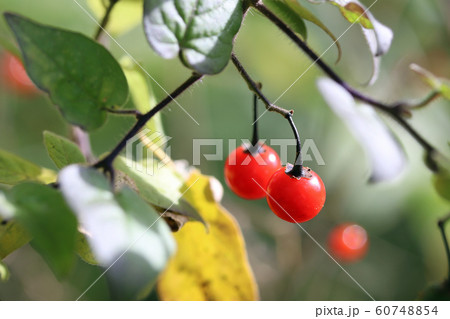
(255, 172)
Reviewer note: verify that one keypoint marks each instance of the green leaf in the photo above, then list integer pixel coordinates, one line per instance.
(160, 186)
(440, 85)
(12, 237)
(14, 170)
(46, 217)
(80, 75)
(441, 178)
(199, 32)
(291, 12)
(123, 230)
(62, 151)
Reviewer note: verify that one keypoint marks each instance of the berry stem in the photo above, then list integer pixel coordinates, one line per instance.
(255, 138)
(105, 19)
(396, 110)
(254, 87)
(297, 170)
(441, 224)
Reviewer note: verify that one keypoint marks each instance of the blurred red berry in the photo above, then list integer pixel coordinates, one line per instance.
(348, 242)
(15, 77)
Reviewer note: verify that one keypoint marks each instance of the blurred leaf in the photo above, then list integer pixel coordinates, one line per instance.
(12, 237)
(123, 230)
(209, 265)
(14, 170)
(200, 33)
(83, 249)
(4, 272)
(142, 96)
(437, 292)
(378, 36)
(80, 75)
(47, 218)
(291, 12)
(386, 157)
(441, 178)
(160, 186)
(440, 85)
(125, 15)
(62, 151)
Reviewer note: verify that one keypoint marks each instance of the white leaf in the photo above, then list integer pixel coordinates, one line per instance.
(386, 157)
(122, 229)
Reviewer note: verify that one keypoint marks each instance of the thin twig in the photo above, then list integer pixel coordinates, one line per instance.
(105, 19)
(254, 87)
(123, 112)
(106, 162)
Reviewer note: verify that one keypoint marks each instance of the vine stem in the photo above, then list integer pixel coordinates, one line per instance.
(396, 110)
(297, 170)
(105, 19)
(106, 162)
(441, 224)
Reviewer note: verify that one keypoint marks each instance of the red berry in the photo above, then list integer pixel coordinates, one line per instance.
(348, 242)
(296, 200)
(247, 173)
(15, 76)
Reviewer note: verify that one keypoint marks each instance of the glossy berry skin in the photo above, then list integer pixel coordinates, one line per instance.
(295, 200)
(247, 173)
(15, 76)
(348, 242)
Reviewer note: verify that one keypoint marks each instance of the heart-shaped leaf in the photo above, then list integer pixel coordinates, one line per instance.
(386, 157)
(126, 235)
(80, 75)
(199, 32)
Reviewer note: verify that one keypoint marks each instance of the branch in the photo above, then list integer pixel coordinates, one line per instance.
(106, 162)
(396, 110)
(105, 19)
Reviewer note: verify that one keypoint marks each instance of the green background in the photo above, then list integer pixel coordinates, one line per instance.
(406, 252)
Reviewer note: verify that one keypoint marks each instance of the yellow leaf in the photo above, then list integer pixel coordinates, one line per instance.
(209, 264)
(125, 15)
